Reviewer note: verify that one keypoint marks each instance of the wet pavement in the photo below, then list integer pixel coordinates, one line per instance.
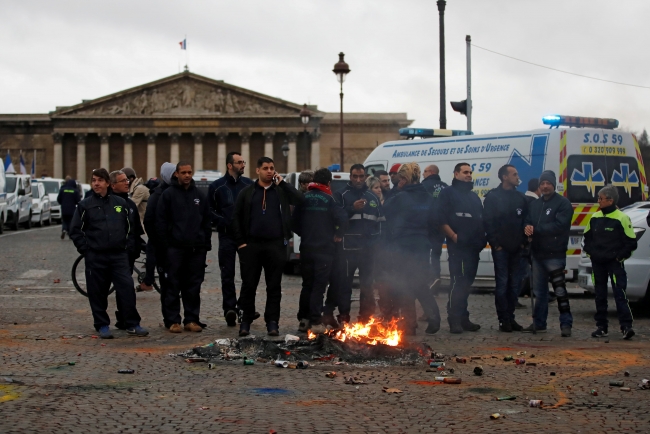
(54, 377)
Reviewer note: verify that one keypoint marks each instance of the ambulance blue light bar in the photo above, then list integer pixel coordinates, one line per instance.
(579, 122)
(411, 133)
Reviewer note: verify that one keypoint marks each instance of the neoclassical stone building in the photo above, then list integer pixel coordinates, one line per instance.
(188, 117)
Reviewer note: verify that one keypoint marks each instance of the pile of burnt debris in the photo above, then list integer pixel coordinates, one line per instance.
(321, 348)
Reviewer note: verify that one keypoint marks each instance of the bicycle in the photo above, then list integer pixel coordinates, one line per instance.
(79, 273)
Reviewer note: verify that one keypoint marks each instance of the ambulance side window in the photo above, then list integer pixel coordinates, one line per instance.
(372, 168)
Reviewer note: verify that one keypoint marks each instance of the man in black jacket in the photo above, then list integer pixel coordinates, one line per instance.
(359, 241)
(434, 185)
(548, 222)
(320, 223)
(261, 228)
(102, 231)
(223, 196)
(68, 198)
(504, 210)
(460, 218)
(184, 229)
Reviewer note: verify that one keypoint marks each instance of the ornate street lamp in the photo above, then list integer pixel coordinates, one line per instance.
(305, 115)
(341, 69)
(285, 148)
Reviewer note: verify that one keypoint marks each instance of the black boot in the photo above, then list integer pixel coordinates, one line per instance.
(329, 320)
(272, 328)
(455, 327)
(244, 329)
(432, 328)
(469, 326)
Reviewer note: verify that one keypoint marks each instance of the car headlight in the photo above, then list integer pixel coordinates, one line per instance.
(639, 233)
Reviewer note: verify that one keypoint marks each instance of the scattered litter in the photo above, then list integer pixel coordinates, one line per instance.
(407, 362)
(535, 403)
(212, 365)
(507, 358)
(80, 336)
(521, 353)
(340, 363)
(125, 371)
(520, 361)
(391, 390)
(71, 363)
(354, 380)
(478, 371)
(281, 363)
(624, 389)
(448, 380)
(436, 364)
(290, 338)
(506, 398)
(330, 374)
(225, 342)
(594, 392)
(204, 408)
(532, 356)
(475, 357)
(248, 361)
(552, 373)
(494, 416)
(451, 371)
(325, 358)
(262, 360)
(644, 384)
(94, 337)
(461, 360)
(615, 383)
(195, 359)
(302, 365)
(626, 373)
(103, 345)
(57, 280)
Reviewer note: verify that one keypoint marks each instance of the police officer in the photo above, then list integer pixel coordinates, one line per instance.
(261, 227)
(504, 210)
(548, 222)
(68, 198)
(363, 210)
(184, 229)
(410, 226)
(434, 185)
(320, 223)
(102, 231)
(609, 241)
(223, 196)
(460, 218)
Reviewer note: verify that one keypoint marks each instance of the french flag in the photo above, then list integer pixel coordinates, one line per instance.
(23, 169)
(183, 44)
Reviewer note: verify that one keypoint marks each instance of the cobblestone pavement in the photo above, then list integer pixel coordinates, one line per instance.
(45, 326)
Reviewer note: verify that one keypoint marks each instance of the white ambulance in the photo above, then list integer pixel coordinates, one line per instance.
(584, 157)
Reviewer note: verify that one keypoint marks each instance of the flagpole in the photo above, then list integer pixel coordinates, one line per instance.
(186, 61)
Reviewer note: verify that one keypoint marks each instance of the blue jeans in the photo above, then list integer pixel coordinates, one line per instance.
(541, 270)
(507, 274)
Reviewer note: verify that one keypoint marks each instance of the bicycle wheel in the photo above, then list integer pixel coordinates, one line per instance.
(79, 276)
(142, 274)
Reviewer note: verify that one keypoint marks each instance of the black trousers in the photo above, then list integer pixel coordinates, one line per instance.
(271, 257)
(102, 269)
(615, 271)
(65, 222)
(463, 265)
(150, 264)
(316, 270)
(185, 270)
(227, 257)
(351, 260)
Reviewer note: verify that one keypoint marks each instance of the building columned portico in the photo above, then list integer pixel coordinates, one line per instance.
(187, 117)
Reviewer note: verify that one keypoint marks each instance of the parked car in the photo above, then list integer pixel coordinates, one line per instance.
(3, 197)
(52, 186)
(203, 179)
(41, 205)
(637, 266)
(85, 189)
(19, 201)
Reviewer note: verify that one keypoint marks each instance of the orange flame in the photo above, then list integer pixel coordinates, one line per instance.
(372, 333)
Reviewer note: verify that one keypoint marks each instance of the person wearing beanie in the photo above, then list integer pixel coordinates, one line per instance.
(609, 241)
(138, 193)
(548, 223)
(410, 226)
(504, 210)
(153, 247)
(222, 196)
(459, 215)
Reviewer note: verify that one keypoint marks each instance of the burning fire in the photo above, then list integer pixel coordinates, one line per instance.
(372, 333)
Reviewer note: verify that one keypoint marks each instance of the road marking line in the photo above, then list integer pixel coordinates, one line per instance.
(28, 231)
(35, 274)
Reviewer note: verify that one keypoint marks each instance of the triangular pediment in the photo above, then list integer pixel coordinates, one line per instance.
(184, 94)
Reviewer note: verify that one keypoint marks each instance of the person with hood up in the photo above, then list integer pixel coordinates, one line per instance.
(460, 217)
(137, 191)
(184, 231)
(504, 210)
(609, 241)
(68, 198)
(410, 227)
(153, 247)
(548, 222)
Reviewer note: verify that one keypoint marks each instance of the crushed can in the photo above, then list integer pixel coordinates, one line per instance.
(616, 383)
(125, 371)
(281, 363)
(448, 380)
(521, 361)
(506, 398)
(302, 365)
(626, 373)
(594, 392)
(249, 362)
(624, 389)
(461, 360)
(331, 374)
(436, 364)
(478, 371)
(535, 403)
(507, 358)
(212, 366)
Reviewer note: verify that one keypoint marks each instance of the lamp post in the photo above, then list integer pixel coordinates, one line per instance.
(285, 152)
(305, 115)
(341, 69)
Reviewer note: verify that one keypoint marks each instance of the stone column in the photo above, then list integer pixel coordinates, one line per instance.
(268, 144)
(315, 150)
(221, 152)
(246, 151)
(198, 151)
(292, 161)
(81, 158)
(57, 170)
(103, 151)
(174, 152)
(151, 155)
(128, 150)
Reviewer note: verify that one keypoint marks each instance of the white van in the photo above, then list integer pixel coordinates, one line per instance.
(52, 187)
(584, 159)
(3, 197)
(19, 201)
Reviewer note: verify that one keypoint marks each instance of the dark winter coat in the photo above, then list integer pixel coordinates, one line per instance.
(68, 198)
(410, 220)
(222, 196)
(460, 208)
(434, 185)
(364, 224)
(609, 235)
(317, 220)
(504, 213)
(551, 222)
(150, 213)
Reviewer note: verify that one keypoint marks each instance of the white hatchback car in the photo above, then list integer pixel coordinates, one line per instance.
(41, 205)
(637, 266)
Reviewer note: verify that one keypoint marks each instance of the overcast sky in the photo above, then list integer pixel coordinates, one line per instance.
(60, 52)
